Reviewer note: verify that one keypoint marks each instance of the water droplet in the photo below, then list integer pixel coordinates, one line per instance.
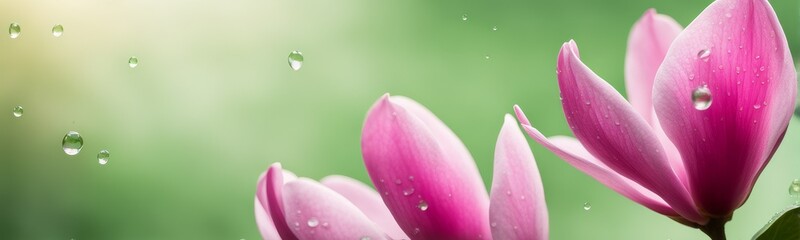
(701, 97)
(72, 143)
(133, 62)
(408, 191)
(14, 30)
(494, 224)
(494, 28)
(587, 206)
(312, 222)
(704, 54)
(487, 57)
(365, 238)
(691, 77)
(416, 231)
(756, 106)
(295, 60)
(58, 30)
(103, 156)
(423, 206)
(464, 17)
(17, 111)
(794, 188)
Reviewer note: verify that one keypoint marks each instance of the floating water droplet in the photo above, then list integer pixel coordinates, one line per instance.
(587, 206)
(17, 111)
(423, 206)
(408, 191)
(794, 188)
(295, 60)
(762, 68)
(14, 30)
(103, 156)
(704, 54)
(494, 28)
(701, 97)
(133, 62)
(58, 30)
(72, 143)
(487, 57)
(464, 17)
(312, 222)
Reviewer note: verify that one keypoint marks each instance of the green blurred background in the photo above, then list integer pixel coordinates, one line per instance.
(213, 103)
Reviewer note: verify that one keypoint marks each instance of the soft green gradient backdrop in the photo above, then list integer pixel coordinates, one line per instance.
(213, 103)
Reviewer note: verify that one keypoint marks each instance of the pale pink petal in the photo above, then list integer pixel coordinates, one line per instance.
(314, 211)
(648, 43)
(517, 209)
(368, 201)
(571, 151)
(737, 49)
(615, 134)
(274, 188)
(263, 218)
(431, 192)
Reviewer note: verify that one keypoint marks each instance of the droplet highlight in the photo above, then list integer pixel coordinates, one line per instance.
(587, 206)
(14, 30)
(423, 206)
(295, 60)
(464, 17)
(704, 54)
(17, 111)
(701, 97)
(72, 143)
(103, 156)
(133, 62)
(58, 30)
(408, 191)
(312, 222)
(494, 28)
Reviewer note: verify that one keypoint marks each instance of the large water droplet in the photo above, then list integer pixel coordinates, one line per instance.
(464, 17)
(17, 111)
(587, 206)
(408, 191)
(58, 30)
(72, 143)
(794, 188)
(14, 30)
(133, 62)
(295, 60)
(103, 156)
(423, 206)
(312, 222)
(701, 97)
(704, 54)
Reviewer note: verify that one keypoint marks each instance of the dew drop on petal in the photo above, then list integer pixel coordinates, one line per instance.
(312, 222)
(756, 106)
(587, 206)
(295, 60)
(14, 30)
(423, 206)
(408, 191)
(17, 111)
(58, 30)
(103, 156)
(494, 224)
(72, 143)
(704, 54)
(701, 97)
(133, 62)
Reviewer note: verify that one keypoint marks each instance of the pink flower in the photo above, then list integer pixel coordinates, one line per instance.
(722, 96)
(430, 186)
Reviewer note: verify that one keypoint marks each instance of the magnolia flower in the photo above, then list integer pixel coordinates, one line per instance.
(429, 183)
(709, 105)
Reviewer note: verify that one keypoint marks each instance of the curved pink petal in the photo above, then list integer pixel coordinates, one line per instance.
(274, 193)
(613, 132)
(571, 151)
(263, 218)
(314, 211)
(738, 50)
(368, 201)
(432, 192)
(648, 43)
(517, 209)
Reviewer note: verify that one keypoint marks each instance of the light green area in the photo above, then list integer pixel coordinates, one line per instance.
(213, 102)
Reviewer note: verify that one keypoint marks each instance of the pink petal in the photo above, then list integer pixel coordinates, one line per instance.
(316, 212)
(368, 201)
(648, 43)
(749, 71)
(274, 187)
(517, 209)
(613, 132)
(433, 192)
(571, 151)
(263, 218)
